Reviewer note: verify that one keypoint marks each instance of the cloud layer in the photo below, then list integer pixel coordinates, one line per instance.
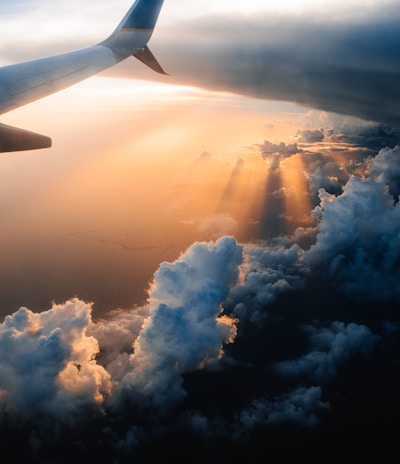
(236, 340)
(345, 62)
(59, 365)
(347, 66)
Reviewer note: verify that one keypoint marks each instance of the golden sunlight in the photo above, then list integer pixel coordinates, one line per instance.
(137, 172)
(297, 195)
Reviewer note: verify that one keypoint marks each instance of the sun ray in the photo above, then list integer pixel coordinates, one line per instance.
(238, 196)
(297, 196)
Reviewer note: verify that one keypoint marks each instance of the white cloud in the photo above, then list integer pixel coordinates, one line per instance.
(185, 329)
(51, 365)
(46, 363)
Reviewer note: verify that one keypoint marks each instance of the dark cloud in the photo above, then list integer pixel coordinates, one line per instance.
(299, 406)
(386, 167)
(282, 148)
(311, 135)
(275, 153)
(347, 67)
(328, 175)
(268, 271)
(366, 135)
(330, 347)
(354, 246)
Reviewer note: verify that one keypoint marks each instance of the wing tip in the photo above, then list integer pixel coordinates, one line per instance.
(16, 139)
(147, 58)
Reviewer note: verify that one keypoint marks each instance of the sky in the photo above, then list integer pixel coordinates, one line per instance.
(205, 265)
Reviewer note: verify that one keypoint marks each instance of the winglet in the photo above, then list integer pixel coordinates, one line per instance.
(134, 31)
(146, 57)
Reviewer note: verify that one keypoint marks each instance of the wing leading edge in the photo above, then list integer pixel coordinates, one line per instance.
(26, 82)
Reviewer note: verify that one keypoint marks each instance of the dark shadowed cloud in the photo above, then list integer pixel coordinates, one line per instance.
(348, 66)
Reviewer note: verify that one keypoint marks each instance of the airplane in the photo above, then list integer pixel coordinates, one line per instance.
(25, 82)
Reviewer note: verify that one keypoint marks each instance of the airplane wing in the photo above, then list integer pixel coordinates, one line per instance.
(26, 82)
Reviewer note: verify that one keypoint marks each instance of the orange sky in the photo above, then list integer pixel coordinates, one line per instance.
(137, 172)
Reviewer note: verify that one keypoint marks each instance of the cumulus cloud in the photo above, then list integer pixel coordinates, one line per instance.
(347, 244)
(116, 335)
(328, 175)
(185, 330)
(357, 239)
(300, 406)
(50, 367)
(47, 363)
(267, 272)
(345, 147)
(331, 347)
(386, 166)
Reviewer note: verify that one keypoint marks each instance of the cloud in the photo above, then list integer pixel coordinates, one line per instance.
(328, 175)
(46, 364)
(269, 148)
(348, 67)
(386, 167)
(61, 367)
(300, 406)
(132, 364)
(357, 239)
(347, 129)
(116, 335)
(331, 347)
(359, 142)
(267, 272)
(185, 330)
(275, 153)
(311, 135)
